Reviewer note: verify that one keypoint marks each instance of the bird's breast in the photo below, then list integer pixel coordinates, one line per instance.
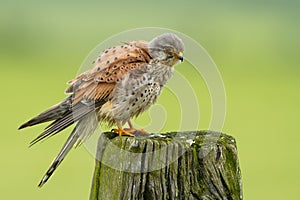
(136, 92)
(134, 95)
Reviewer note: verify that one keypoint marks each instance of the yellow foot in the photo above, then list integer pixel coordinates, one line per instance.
(132, 130)
(122, 132)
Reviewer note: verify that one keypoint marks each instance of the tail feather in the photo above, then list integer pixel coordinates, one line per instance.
(63, 115)
(85, 127)
(71, 116)
(53, 113)
(59, 158)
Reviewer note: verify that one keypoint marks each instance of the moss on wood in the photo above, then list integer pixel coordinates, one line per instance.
(185, 165)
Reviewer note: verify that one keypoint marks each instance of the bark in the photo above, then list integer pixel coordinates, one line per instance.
(181, 165)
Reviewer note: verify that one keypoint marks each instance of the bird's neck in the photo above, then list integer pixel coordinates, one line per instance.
(162, 72)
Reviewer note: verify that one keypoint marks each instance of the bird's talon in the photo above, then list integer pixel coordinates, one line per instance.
(127, 134)
(133, 130)
(142, 131)
(122, 132)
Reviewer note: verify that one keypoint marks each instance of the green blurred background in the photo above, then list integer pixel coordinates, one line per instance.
(255, 45)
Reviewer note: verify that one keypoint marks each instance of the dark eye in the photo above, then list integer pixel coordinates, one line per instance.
(169, 52)
(169, 56)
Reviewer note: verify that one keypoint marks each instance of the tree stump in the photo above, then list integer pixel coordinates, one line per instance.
(185, 165)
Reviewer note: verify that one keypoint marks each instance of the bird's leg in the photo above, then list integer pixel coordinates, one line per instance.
(130, 124)
(121, 131)
(131, 128)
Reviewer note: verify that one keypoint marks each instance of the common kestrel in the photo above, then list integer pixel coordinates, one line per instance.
(124, 82)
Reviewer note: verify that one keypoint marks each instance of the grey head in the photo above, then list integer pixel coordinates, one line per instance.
(167, 48)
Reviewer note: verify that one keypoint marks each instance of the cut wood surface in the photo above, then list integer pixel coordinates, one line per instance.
(178, 165)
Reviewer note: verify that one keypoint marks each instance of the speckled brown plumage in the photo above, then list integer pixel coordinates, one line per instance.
(124, 81)
(110, 67)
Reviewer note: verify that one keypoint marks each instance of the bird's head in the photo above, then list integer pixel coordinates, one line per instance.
(166, 48)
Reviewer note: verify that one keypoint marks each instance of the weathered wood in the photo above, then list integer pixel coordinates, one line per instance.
(186, 165)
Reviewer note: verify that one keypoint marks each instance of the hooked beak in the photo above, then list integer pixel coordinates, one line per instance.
(180, 56)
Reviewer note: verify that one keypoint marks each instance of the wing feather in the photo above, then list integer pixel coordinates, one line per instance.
(110, 67)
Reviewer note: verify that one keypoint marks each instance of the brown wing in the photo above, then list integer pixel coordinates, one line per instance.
(99, 82)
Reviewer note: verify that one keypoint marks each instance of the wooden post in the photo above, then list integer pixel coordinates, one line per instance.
(185, 165)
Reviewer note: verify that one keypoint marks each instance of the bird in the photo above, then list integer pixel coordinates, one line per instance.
(123, 82)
